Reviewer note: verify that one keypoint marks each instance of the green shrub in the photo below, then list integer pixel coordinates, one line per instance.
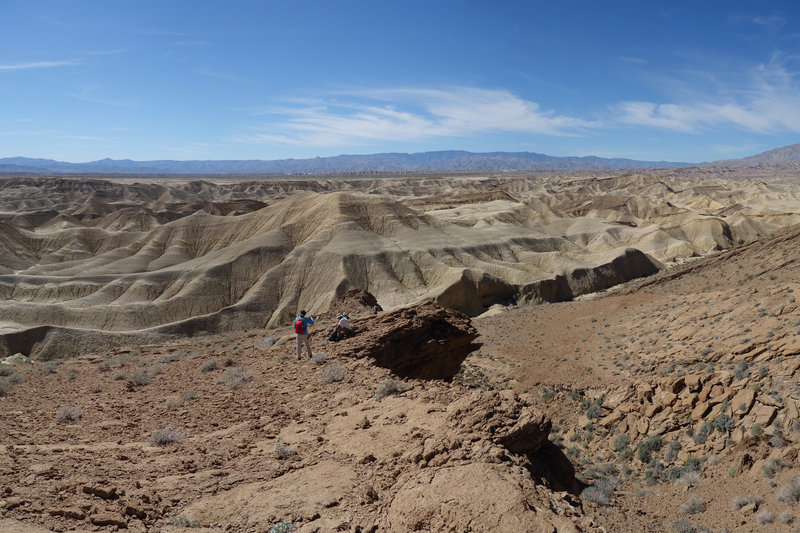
(594, 412)
(621, 442)
(284, 526)
(723, 423)
(647, 447)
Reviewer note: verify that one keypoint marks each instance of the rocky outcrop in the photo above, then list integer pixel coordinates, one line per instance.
(423, 341)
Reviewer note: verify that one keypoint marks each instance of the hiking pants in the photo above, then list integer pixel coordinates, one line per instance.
(302, 338)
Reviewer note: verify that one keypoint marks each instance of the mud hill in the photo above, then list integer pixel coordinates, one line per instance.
(89, 260)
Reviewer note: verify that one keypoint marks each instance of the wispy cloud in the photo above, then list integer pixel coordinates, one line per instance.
(409, 114)
(106, 52)
(38, 64)
(191, 43)
(633, 60)
(766, 101)
(29, 132)
(213, 73)
(89, 94)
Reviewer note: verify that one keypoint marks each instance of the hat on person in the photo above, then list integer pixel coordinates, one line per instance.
(338, 315)
(303, 312)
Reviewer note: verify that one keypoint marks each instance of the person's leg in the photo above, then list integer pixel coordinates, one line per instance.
(308, 346)
(299, 344)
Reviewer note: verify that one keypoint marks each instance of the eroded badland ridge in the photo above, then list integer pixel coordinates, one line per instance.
(666, 403)
(176, 259)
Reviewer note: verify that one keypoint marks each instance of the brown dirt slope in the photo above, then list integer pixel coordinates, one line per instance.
(682, 386)
(233, 433)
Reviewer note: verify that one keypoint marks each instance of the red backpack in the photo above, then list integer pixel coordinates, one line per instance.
(299, 326)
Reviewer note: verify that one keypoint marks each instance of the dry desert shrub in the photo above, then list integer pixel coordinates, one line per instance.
(236, 377)
(765, 517)
(15, 377)
(282, 450)
(597, 494)
(319, 358)
(786, 517)
(139, 379)
(333, 373)
(790, 493)
(689, 477)
(69, 413)
(5, 370)
(267, 343)
(166, 436)
(694, 504)
(741, 501)
(183, 521)
(209, 365)
(5, 387)
(388, 388)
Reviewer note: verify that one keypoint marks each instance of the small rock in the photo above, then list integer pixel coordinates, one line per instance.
(109, 519)
(107, 493)
(766, 399)
(41, 469)
(13, 502)
(700, 411)
(750, 508)
(69, 512)
(693, 381)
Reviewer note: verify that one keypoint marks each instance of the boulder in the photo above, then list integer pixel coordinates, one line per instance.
(422, 341)
(502, 417)
(764, 414)
(489, 498)
(742, 402)
(700, 411)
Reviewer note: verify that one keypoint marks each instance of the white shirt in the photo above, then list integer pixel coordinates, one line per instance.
(344, 323)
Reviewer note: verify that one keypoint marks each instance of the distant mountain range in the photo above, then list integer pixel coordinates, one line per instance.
(443, 161)
(778, 156)
(391, 162)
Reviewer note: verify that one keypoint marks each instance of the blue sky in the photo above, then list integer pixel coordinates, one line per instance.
(689, 81)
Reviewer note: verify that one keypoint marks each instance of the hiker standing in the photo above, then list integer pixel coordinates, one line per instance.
(301, 324)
